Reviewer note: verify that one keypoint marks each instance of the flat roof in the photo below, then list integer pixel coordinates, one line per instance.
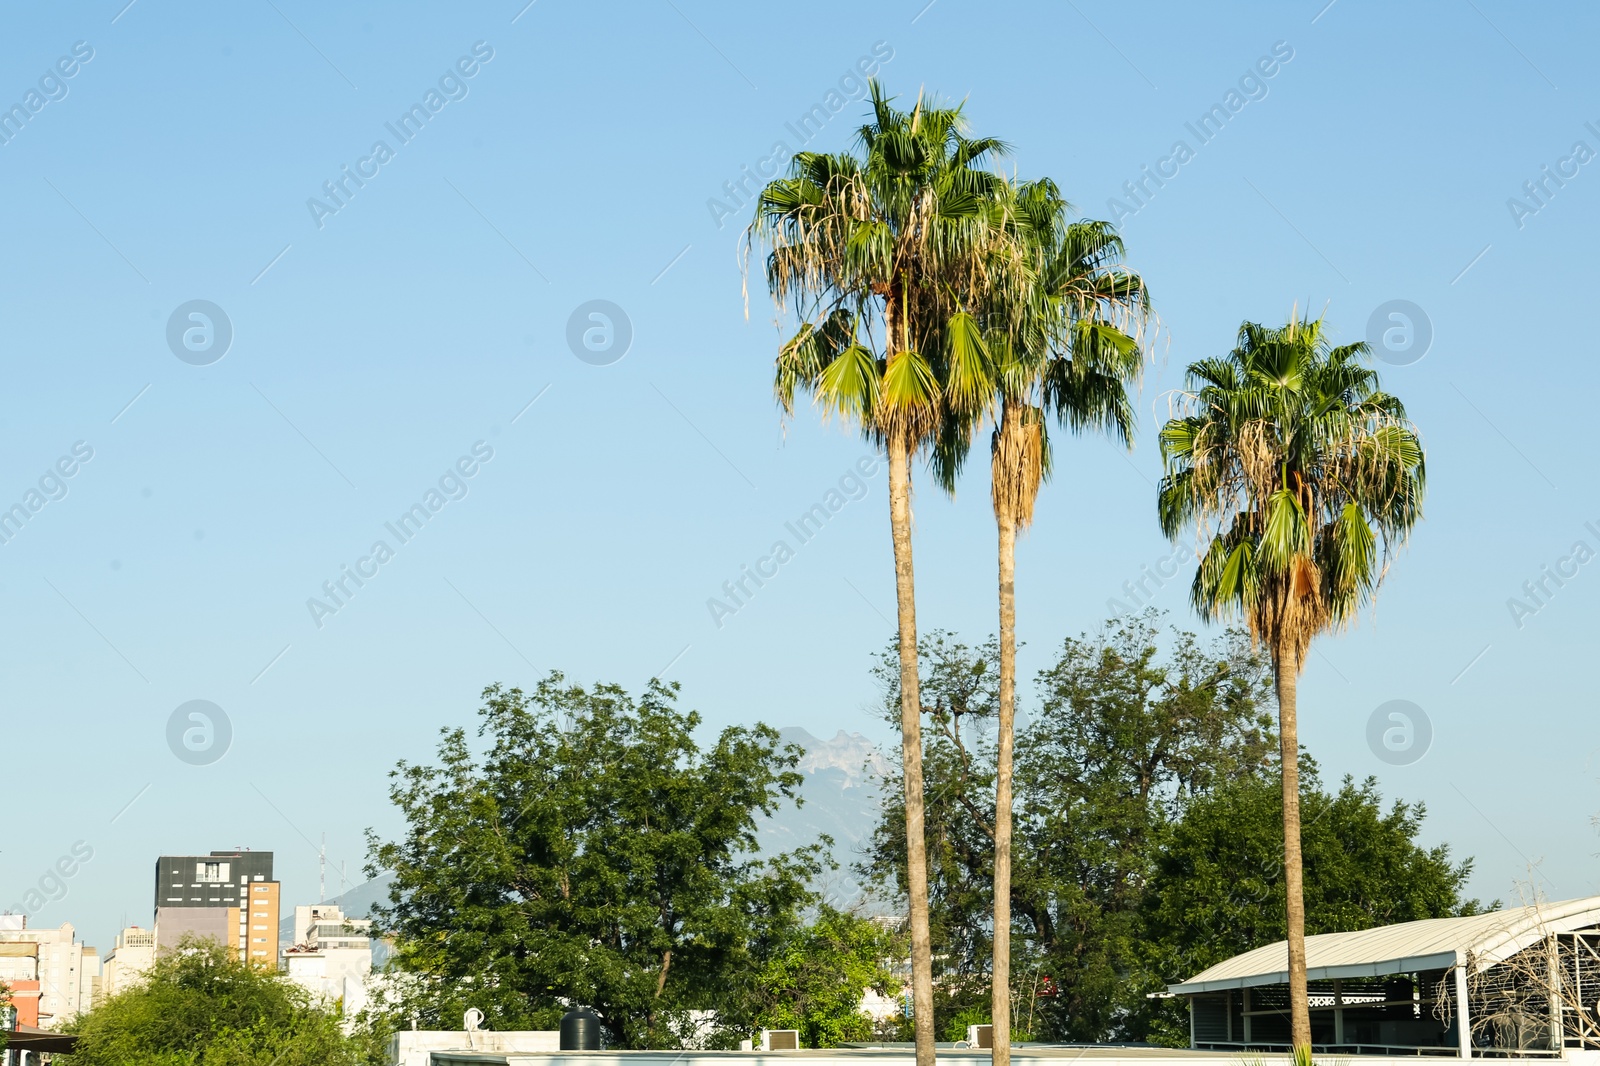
(1431, 944)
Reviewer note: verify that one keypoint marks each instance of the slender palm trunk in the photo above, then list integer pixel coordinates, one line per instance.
(1015, 466)
(1286, 673)
(1000, 1007)
(911, 747)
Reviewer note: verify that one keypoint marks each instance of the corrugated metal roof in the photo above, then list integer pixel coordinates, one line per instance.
(1434, 943)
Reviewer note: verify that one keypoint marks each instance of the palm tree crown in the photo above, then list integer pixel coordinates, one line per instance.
(1064, 339)
(1303, 465)
(880, 259)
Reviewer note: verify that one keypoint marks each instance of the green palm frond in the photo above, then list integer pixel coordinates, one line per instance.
(910, 387)
(968, 373)
(1228, 579)
(1286, 536)
(848, 386)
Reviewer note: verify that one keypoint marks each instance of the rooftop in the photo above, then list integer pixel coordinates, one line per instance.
(1433, 944)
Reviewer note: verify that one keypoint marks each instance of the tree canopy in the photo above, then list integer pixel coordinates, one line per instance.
(815, 980)
(592, 854)
(1297, 466)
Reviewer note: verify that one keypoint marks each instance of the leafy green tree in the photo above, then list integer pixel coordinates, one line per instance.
(1217, 888)
(816, 980)
(200, 1006)
(1128, 733)
(1294, 464)
(882, 259)
(1065, 344)
(592, 854)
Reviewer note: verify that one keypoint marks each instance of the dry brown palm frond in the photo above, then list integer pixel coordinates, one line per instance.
(1017, 462)
(1291, 610)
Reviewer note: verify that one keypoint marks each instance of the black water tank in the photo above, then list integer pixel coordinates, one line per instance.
(580, 1030)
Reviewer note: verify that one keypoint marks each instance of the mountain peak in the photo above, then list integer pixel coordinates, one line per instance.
(858, 758)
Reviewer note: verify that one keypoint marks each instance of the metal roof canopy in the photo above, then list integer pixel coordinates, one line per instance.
(1431, 944)
(28, 1038)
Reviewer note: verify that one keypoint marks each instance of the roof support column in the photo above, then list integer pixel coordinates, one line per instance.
(1338, 1011)
(1553, 980)
(1463, 1020)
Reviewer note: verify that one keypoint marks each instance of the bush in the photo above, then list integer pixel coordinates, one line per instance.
(200, 1006)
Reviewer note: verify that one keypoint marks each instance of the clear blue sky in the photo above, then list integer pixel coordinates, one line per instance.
(374, 346)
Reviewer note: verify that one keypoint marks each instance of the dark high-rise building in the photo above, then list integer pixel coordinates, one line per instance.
(227, 896)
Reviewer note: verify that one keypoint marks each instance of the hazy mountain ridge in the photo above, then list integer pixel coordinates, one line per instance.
(858, 758)
(843, 794)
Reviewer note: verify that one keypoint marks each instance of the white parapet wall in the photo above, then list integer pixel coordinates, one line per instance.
(905, 1056)
(419, 1047)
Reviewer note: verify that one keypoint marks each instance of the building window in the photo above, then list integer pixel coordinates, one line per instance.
(211, 873)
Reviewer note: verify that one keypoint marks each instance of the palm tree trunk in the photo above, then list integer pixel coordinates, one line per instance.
(1286, 672)
(911, 747)
(1000, 1007)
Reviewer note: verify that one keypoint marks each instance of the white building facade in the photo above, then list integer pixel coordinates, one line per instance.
(129, 961)
(67, 972)
(331, 956)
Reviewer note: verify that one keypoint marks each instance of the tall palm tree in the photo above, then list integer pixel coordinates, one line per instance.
(1065, 342)
(1073, 351)
(1296, 465)
(882, 258)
